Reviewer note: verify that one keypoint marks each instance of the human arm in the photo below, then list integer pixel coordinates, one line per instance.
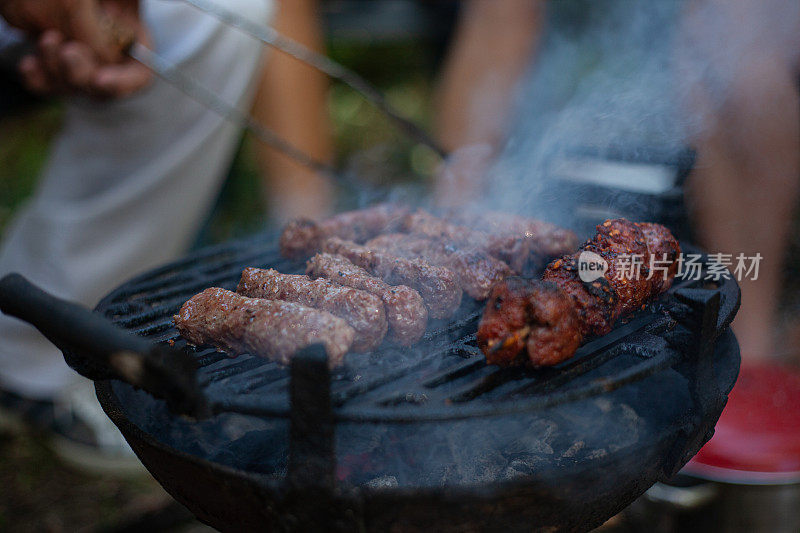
(493, 45)
(292, 100)
(739, 83)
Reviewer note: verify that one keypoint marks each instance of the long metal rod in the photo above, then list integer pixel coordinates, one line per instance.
(271, 37)
(210, 100)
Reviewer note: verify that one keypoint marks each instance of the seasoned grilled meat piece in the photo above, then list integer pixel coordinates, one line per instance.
(542, 237)
(303, 237)
(550, 329)
(361, 310)
(438, 286)
(405, 309)
(528, 314)
(602, 302)
(267, 328)
(477, 271)
(519, 252)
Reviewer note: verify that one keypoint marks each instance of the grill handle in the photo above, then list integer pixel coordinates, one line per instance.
(99, 350)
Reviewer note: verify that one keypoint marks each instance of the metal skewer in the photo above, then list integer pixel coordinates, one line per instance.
(271, 37)
(210, 100)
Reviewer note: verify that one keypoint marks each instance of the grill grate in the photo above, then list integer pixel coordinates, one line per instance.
(443, 377)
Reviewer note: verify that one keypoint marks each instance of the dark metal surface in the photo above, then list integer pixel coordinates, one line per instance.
(557, 449)
(442, 378)
(106, 352)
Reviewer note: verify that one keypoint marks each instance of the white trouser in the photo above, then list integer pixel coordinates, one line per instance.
(128, 182)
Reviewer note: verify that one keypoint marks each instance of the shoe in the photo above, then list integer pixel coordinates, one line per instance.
(80, 432)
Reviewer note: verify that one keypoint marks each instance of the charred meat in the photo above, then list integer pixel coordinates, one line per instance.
(267, 328)
(361, 310)
(302, 238)
(541, 237)
(549, 319)
(405, 309)
(476, 270)
(520, 251)
(438, 286)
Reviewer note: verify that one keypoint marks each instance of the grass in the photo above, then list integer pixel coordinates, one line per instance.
(24, 143)
(39, 493)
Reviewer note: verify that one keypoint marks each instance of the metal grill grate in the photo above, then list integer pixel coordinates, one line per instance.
(443, 377)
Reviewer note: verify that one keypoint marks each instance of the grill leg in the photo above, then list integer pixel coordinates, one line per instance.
(705, 307)
(311, 451)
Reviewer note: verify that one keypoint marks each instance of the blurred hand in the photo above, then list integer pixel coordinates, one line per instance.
(80, 46)
(462, 178)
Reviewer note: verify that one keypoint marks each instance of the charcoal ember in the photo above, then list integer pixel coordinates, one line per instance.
(474, 454)
(362, 453)
(573, 450)
(382, 482)
(532, 449)
(533, 438)
(485, 469)
(626, 419)
(614, 425)
(518, 468)
(597, 454)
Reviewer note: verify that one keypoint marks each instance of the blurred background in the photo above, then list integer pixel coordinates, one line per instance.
(398, 46)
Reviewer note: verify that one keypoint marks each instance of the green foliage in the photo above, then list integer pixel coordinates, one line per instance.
(24, 143)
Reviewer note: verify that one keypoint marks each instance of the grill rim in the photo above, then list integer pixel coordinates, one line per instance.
(234, 254)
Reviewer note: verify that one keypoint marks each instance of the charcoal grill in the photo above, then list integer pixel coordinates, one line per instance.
(407, 439)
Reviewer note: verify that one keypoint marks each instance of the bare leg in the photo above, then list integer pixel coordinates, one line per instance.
(745, 186)
(493, 45)
(292, 100)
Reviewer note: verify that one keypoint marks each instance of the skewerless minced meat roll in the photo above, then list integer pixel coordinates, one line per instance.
(438, 286)
(361, 310)
(405, 309)
(521, 252)
(302, 238)
(551, 318)
(476, 270)
(266, 328)
(543, 237)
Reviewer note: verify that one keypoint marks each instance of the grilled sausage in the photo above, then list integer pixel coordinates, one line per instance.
(438, 286)
(405, 310)
(543, 237)
(267, 328)
(552, 317)
(303, 237)
(520, 251)
(361, 310)
(476, 270)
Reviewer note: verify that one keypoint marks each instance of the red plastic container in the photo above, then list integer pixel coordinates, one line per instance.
(757, 439)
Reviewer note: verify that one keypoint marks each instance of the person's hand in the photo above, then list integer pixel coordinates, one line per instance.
(462, 177)
(80, 46)
(86, 21)
(61, 67)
